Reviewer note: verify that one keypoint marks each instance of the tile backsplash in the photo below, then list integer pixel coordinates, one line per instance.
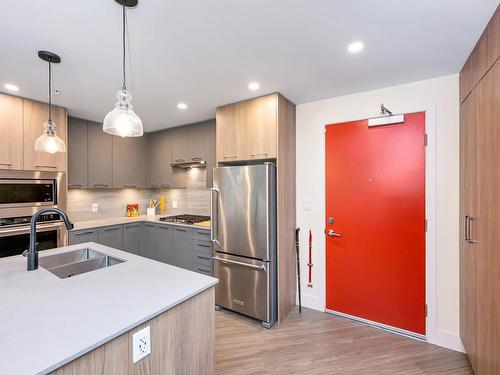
(194, 199)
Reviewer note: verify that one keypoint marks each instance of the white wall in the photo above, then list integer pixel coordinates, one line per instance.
(441, 96)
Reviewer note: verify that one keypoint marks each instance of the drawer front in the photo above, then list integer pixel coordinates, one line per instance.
(202, 246)
(81, 236)
(201, 234)
(202, 259)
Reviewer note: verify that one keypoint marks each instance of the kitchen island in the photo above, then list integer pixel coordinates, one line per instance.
(84, 324)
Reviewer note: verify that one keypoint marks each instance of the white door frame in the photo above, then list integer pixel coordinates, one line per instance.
(430, 209)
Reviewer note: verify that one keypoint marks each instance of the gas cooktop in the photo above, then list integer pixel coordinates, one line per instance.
(185, 219)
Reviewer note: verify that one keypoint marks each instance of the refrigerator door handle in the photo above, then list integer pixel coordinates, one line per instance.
(253, 266)
(213, 217)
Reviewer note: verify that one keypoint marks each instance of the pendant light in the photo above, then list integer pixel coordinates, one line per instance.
(122, 120)
(49, 141)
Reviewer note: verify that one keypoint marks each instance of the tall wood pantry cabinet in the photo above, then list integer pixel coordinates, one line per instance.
(480, 202)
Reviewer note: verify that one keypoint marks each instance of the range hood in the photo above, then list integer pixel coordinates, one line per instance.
(189, 164)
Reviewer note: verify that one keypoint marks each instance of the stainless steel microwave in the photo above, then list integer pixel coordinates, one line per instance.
(28, 192)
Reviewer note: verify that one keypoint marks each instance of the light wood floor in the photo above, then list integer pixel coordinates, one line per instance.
(319, 343)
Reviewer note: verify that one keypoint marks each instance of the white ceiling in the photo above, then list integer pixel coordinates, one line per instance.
(205, 52)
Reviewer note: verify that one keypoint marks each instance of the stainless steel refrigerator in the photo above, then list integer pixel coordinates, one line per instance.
(243, 232)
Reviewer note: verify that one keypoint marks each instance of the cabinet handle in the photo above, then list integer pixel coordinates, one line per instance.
(165, 186)
(203, 269)
(203, 245)
(129, 185)
(46, 166)
(7, 164)
(202, 257)
(154, 185)
(111, 229)
(75, 185)
(468, 225)
(261, 154)
(196, 158)
(230, 156)
(181, 230)
(83, 233)
(179, 160)
(100, 185)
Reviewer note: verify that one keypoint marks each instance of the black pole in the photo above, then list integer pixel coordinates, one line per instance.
(297, 247)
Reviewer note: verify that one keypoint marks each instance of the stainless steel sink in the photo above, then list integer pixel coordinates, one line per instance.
(76, 262)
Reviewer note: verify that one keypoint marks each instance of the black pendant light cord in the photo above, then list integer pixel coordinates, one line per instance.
(50, 93)
(124, 86)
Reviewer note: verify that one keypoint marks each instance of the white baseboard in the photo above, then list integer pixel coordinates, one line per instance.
(441, 338)
(449, 340)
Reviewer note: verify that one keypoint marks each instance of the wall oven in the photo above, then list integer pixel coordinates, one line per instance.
(22, 193)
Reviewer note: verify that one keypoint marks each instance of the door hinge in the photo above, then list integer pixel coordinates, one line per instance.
(425, 139)
(425, 310)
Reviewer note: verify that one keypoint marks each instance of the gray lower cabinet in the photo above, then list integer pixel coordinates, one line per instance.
(111, 236)
(164, 248)
(185, 247)
(148, 243)
(132, 238)
(182, 247)
(83, 235)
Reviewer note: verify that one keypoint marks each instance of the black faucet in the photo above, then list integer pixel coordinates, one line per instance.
(32, 254)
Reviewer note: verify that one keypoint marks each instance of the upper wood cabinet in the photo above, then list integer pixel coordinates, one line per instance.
(11, 132)
(100, 157)
(129, 162)
(35, 115)
(77, 153)
(248, 130)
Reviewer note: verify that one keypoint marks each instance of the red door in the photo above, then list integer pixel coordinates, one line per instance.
(375, 194)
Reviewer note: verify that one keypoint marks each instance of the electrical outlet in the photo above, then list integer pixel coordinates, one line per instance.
(141, 344)
(95, 207)
(174, 204)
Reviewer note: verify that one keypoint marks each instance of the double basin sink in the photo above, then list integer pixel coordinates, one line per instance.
(76, 262)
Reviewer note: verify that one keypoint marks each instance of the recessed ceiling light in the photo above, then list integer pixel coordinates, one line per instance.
(253, 86)
(355, 47)
(182, 106)
(11, 87)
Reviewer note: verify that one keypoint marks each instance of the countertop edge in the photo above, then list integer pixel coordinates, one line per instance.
(124, 330)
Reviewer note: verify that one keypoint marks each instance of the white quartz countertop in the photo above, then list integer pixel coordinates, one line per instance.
(46, 322)
(127, 220)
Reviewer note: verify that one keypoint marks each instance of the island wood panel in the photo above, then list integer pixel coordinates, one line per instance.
(35, 114)
(286, 187)
(11, 132)
(182, 342)
(483, 56)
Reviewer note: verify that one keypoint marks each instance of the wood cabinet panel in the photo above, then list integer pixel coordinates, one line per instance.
(129, 162)
(260, 127)
(11, 132)
(35, 114)
(77, 153)
(100, 157)
(230, 132)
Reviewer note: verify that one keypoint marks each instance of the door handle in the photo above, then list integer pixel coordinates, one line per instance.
(331, 233)
(468, 226)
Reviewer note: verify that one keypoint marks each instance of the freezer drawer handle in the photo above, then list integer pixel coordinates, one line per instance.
(258, 268)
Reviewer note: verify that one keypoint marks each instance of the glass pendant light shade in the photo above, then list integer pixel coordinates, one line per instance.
(122, 120)
(49, 141)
